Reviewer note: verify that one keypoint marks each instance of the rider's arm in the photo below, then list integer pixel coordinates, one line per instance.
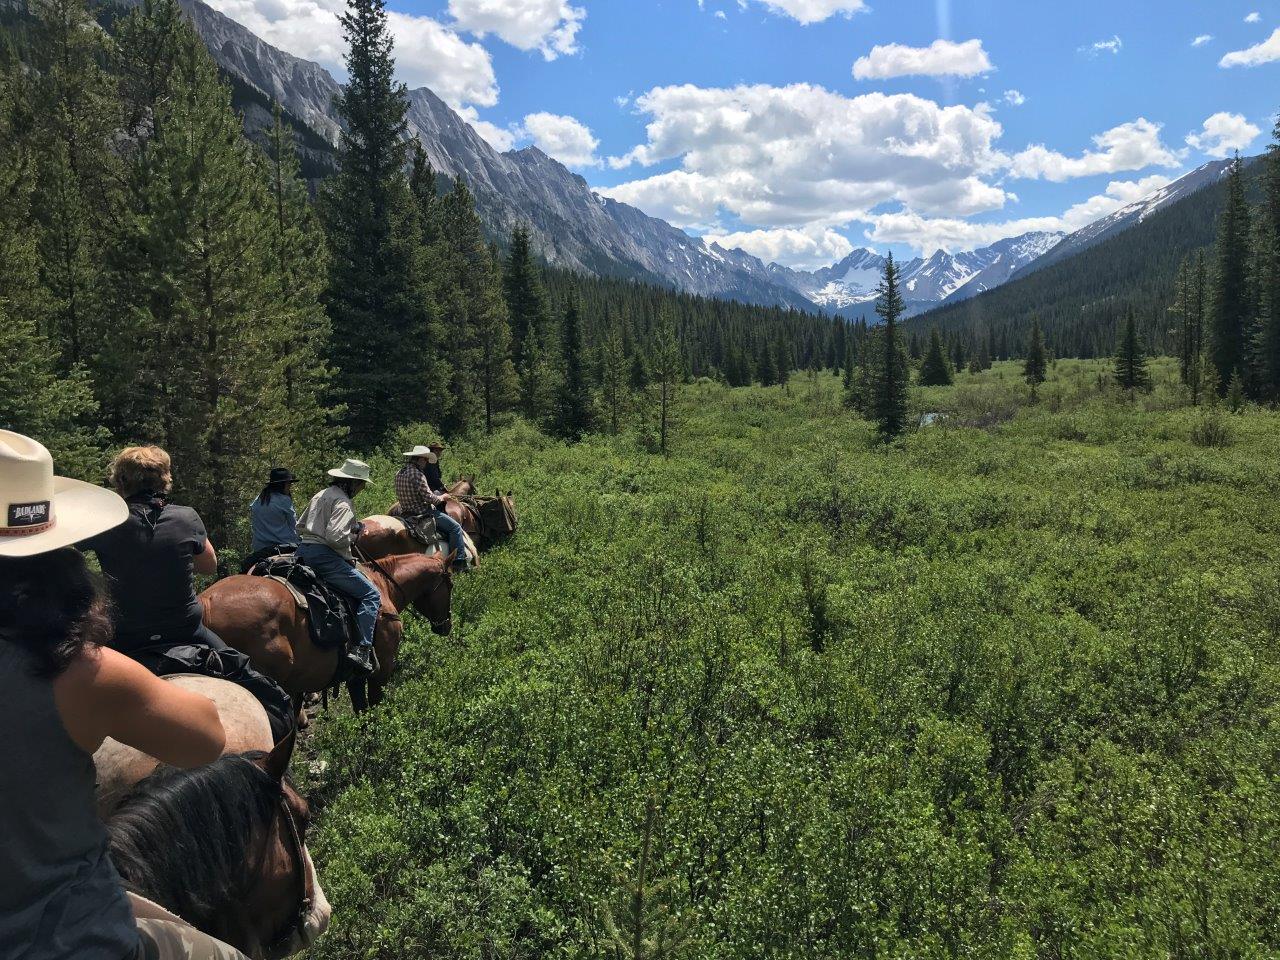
(341, 530)
(206, 561)
(105, 694)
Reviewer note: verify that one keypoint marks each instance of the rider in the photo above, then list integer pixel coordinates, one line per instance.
(273, 518)
(432, 470)
(150, 562)
(413, 490)
(62, 692)
(328, 529)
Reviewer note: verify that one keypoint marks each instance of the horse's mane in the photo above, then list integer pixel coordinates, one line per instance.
(190, 840)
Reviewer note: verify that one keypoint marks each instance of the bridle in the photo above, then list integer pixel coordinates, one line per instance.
(404, 597)
(297, 852)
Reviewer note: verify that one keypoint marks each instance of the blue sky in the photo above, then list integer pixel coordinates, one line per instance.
(746, 119)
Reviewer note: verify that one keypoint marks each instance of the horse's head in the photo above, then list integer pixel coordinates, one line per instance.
(436, 602)
(224, 847)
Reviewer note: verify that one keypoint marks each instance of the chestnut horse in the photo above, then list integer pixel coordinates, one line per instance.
(259, 616)
(384, 535)
(222, 848)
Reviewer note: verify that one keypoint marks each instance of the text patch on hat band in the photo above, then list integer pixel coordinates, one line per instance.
(27, 518)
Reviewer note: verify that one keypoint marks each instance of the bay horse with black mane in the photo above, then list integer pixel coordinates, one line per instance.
(259, 616)
(223, 847)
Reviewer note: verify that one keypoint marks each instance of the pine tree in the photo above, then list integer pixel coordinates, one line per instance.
(573, 401)
(1131, 361)
(667, 370)
(77, 173)
(767, 367)
(935, 371)
(613, 378)
(382, 345)
(1229, 301)
(36, 398)
(891, 375)
(1266, 347)
(1036, 366)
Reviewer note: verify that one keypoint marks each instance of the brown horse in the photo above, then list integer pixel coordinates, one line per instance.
(222, 848)
(260, 616)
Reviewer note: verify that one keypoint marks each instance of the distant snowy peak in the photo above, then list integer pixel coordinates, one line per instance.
(1132, 215)
(849, 287)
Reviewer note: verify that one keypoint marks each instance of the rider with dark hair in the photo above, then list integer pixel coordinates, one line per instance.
(328, 529)
(150, 561)
(62, 692)
(271, 514)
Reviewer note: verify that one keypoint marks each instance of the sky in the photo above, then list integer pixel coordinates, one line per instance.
(800, 130)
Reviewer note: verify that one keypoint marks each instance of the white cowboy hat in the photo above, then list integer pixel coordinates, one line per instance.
(352, 470)
(418, 451)
(40, 512)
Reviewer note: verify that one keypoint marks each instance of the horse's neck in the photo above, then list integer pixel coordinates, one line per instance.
(410, 575)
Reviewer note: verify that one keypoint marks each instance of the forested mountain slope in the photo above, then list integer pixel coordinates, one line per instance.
(1078, 300)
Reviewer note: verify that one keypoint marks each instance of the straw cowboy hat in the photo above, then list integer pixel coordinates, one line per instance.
(352, 470)
(418, 451)
(40, 512)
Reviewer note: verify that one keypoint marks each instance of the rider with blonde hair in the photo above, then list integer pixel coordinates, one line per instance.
(63, 691)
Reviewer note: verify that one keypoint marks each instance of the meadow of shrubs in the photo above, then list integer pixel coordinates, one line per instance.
(1006, 687)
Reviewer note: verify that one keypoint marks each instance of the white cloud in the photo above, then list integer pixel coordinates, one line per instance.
(1223, 134)
(1254, 17)
(1201, 40)
(721, 15)
(799, 155)
(942, 58)
(951, 233)
(1113, 46)
(501, 139)
(1014, 98)
(807, 249)
(427, 52)
(549, 26)
(1265, 52)
(564, 138)
(812, 11)
(1130, 146)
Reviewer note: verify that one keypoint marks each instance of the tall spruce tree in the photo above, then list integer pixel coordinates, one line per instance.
(379, 304)
(891, 373)
(1266, 347)
(78, 171)
(1230, 307)
(573, 399)
(935, 371)
(1036, 366)
(668, 368)
(37, 398)
(613, 378)
(1131, 360)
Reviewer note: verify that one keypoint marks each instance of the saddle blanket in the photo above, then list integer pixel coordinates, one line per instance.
(329, 614)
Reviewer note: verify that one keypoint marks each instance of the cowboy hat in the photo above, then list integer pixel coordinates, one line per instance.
(418, 451)
(435, 445)
(281, 475)
(40, 512)
(352, 470)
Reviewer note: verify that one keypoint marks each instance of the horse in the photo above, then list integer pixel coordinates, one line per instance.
(223, 847)
(120, 767)
(260, 617)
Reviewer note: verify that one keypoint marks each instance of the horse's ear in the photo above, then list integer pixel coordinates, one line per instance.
(276, 763)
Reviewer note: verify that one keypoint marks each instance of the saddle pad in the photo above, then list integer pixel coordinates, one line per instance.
(329, 615)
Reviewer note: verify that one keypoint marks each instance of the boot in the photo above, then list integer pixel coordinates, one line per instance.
(360, 657)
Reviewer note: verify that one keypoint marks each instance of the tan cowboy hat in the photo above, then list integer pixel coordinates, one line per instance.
(352, 470)
(40, 512)
(418, 451)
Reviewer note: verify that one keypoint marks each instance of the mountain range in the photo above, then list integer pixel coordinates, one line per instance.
(575, 228)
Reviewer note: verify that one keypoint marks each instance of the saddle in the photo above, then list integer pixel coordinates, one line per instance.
(330, 616)
(421, 526)
(497, 517)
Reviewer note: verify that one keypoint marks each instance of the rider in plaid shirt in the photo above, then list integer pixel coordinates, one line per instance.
(417, 499)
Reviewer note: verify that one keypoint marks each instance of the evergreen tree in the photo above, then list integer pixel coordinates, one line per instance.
(849, 368)
(1230, 311)
(526, 297)
(666, 373)
(891, 375)
(36, 398)
(1131, 360)
(782, 359)
(573, 401)
(77, 173)
(1036, 366)
(379, 304)
(1266, 347)
(935, 371)
(613, 378)
(915, 351)
(767, 367)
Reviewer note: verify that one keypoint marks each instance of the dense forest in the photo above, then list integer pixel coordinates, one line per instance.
(164, 279)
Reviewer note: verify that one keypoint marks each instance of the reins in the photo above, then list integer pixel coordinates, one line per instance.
(298, 854)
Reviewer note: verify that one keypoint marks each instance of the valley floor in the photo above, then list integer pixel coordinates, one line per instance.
(1006, 688)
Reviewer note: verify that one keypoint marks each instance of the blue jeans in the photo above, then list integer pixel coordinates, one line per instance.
(344, 577)
(452, 529)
